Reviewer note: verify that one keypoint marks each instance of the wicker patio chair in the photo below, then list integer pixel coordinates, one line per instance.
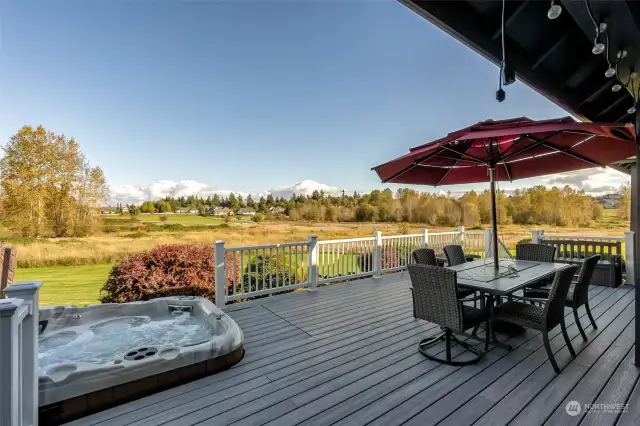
(424, 256)
(454, 254)
(435, 299)
(578, 294)
(535, 252)
(542, 318)
(427, 256)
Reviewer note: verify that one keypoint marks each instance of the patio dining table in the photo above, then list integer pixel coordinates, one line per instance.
(512, 275)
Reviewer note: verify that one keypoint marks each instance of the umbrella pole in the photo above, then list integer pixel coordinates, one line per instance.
(494, 222)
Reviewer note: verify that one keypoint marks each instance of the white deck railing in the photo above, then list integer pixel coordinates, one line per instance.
(259, 270)
(248, 272)
(19, 355)
(352, 257)
(625, 248)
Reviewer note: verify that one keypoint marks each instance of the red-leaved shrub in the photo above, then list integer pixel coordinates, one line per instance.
(166, 270)
(389, 259)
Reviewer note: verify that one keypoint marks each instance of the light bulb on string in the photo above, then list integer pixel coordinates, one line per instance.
(598, 47)
(610, 72)
(632, 110)
(616, 87)
(621, 54)
(554, 11)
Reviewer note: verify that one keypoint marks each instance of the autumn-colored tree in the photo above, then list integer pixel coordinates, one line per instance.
(48, 185)
(624, 203)
(148, 207)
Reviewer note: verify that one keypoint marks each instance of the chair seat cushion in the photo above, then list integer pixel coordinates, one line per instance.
(473, 316)
(520, 313)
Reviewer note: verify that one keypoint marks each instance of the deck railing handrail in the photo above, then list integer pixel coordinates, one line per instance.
(19, 355)
(581, 237)
(347, 240)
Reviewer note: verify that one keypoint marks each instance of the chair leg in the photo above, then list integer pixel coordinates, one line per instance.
(593, 322)
(547, 347)
(566, 338)
(486, 336)
(475, 330)
(575, 315)
(447, 340)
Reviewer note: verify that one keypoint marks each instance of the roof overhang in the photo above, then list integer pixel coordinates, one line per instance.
(552, 56)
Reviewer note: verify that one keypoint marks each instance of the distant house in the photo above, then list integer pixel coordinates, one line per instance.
(610, 201)
(125, 209)
(108, 210)
(187, 211)
(219, 211)
(276, 210)
(246, 211)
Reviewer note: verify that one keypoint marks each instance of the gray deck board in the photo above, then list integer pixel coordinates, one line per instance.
(346, 354)
(518, 399)
(616, 391)
(630, 417)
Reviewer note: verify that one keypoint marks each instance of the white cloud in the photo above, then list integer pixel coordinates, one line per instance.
(593, 181)
(132, 194)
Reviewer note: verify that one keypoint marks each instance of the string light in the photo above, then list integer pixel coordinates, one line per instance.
(598, 47)
(554, 11)
(612, 68)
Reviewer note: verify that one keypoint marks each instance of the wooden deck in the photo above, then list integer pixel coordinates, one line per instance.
(347, 354)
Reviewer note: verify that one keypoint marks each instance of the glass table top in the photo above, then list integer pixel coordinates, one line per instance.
(486, 272)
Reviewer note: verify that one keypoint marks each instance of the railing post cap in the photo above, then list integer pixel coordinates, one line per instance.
(9, 306)
(23, 286)
(313, 237)
(219, 242)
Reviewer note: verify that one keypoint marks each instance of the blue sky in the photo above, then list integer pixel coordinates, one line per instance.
(243, 95)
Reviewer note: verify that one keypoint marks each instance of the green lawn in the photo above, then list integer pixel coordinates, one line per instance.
(67, 285)
(185, 219)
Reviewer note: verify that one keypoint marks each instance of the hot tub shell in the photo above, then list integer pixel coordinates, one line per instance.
(71, 390)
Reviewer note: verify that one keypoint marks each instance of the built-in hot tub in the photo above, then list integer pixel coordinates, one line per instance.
(99, 356)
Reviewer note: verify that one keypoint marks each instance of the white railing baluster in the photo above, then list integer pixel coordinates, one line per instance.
(270, 267)
(220, 274)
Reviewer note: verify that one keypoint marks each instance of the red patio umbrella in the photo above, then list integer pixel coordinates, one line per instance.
(505, 150)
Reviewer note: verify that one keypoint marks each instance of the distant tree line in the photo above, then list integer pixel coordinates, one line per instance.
(531, 206)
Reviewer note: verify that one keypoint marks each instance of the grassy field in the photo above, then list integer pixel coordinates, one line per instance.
(185, 219)
(88, 260)
(65, 285)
